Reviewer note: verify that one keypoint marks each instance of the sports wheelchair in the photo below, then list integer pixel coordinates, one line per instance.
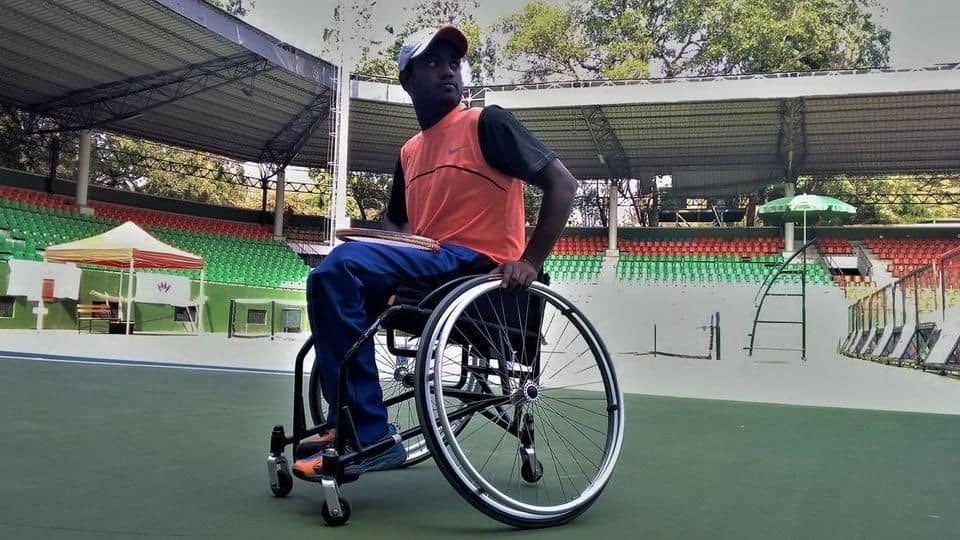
(511, 391)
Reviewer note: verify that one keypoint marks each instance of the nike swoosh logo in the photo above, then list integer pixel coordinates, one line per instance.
(452, 151)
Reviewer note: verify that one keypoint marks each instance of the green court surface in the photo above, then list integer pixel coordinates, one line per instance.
(94, 451)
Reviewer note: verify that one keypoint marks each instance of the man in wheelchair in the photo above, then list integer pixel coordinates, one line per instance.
(457, 181)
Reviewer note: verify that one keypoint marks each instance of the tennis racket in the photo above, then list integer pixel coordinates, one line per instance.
(388, 238)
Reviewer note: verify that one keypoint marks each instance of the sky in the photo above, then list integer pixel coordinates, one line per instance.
(924, 31)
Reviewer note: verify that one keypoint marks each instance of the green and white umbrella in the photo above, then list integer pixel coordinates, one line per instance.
(791, 208)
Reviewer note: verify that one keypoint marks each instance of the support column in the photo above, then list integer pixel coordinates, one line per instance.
(53, 163)
(791, 153)
(263, 197)
(130, 299)
(613, 196)
(653, 219)
(340, 220)
(278, 207)
(83, 172)
(752, 210)
(789, 189)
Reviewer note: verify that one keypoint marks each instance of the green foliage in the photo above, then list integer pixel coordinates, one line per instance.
(760, 36)
(233, 7)
(546, 41)
(481, 57)
(23, 148)
(370, 193)
(853, 189)
(616, 39)
(532, 196)
(367, 193)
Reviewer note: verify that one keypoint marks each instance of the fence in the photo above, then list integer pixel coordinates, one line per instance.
(920, 304)
(950, 284)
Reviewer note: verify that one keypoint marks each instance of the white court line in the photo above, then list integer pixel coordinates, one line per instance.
(7, 355)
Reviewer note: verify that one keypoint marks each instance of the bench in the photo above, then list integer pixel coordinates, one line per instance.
(95, 312)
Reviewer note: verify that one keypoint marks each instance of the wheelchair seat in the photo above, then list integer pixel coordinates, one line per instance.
(416, 302)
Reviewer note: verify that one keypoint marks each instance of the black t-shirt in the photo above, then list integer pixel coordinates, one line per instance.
(505, 144)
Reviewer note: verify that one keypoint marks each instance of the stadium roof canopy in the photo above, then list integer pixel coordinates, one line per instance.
(730, 135)
(175, 71)
(184, 73)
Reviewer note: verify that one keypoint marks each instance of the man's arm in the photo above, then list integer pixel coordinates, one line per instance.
(395, 218)
(559, 188)
(513, 150)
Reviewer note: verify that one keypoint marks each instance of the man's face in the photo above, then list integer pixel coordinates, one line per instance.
(433, 78)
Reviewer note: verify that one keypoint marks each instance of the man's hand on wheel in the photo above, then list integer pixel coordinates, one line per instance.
(517, 274)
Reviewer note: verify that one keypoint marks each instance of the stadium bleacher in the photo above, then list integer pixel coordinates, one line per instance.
(709, 269)
(698, 260)
(234, 252)
(146, 218)
(903, 255)
(581, 267)
(245, 253)
(742, 247)
(835, 246)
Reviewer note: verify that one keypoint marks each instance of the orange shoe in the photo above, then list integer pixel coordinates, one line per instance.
(309, 468)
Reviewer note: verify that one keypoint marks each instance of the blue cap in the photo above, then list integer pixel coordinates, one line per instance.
(418, 42)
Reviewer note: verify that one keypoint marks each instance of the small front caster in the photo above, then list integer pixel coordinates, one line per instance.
(530, 474)
(336, 517)
(281, 481)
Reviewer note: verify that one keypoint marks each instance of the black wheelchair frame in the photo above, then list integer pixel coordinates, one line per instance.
(487, 361)
(406, 317)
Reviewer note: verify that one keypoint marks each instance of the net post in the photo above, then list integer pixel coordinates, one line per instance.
(273, 318)
(717, 322)
(803, 308)
(231, 317)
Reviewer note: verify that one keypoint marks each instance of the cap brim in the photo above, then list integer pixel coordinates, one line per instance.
(454, 36)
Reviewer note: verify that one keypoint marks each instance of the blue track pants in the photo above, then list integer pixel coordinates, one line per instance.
(340, 293)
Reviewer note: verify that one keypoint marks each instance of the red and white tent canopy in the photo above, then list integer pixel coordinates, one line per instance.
(121, 245)
(128, 246)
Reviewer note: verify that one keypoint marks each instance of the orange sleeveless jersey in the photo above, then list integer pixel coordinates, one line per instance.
(454, 196)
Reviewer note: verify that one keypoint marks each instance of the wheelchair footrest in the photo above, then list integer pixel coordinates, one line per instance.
(343, 479)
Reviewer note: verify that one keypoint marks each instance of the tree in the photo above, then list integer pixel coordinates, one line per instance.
(854, 189)
(24, 147)
(370, 193)
(616, 39)
(759, 36)
(233, 7)
(548, 42)
(377, 61)
(183, 186)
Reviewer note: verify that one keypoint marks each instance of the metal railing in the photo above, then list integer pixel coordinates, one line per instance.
(864, 266)
(949, 266)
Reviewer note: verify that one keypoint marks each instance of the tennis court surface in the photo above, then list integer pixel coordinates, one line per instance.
(95, 451)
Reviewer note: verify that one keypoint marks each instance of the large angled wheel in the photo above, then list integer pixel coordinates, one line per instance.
(547, 410)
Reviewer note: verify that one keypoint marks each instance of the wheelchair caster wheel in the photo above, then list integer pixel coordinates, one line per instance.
(530, 474)
(335, 521)
(281, 481)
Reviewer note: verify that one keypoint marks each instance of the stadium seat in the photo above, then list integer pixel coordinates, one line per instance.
(903, 255)
(237, 254)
